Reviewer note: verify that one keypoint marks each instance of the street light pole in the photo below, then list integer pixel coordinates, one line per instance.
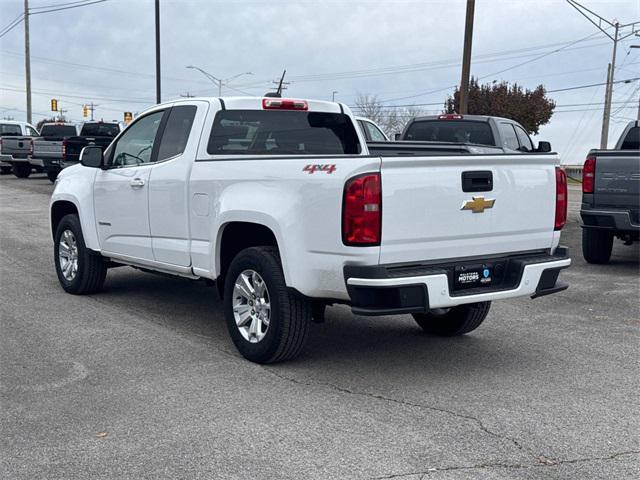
(333, 95)
(158, 95)
(218, 81)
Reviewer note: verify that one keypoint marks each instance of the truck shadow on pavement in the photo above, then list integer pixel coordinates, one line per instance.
(192, 308)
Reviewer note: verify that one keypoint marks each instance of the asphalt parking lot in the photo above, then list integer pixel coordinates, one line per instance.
(142, 380)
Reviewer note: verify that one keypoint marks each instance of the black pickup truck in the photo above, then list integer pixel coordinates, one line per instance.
(92, 133)
(611, 196)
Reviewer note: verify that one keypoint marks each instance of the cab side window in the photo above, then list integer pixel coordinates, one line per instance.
(525, 142)
(374, 132)
(509, 139)
(176, 132)
(135, 146)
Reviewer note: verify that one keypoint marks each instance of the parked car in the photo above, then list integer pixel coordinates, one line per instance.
(480, 130)
(49, 150)
(372, 132)
(611, 196)
(15, 147)
(280, 202)
(91, 133)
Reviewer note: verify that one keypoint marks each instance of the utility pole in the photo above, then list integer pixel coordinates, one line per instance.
(158, 96)
(598, 21)
(92, 108)
(27, 59)
(466, 57)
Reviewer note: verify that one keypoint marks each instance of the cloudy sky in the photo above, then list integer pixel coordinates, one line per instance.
(405, 52)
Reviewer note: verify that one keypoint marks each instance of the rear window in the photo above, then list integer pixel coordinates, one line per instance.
(8, 130)
(458, 131)
(100, 130)
(269, 132)
(58, 131)
(632, 140)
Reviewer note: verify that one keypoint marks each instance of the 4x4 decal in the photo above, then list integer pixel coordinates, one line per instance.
(327, 168)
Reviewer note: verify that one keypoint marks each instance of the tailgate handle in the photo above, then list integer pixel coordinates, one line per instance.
(477, 181)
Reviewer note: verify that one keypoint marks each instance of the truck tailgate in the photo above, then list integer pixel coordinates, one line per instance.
(422, 206)
(47, 148)
(617, 180)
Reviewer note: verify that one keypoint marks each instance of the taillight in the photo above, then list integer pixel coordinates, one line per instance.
(588, 175)
(0, 145)
(362, 211)
(30, 147)
(64, 149)
(284, 104)
(561, 198)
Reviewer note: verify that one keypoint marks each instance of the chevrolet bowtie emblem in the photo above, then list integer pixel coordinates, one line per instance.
(478, 204)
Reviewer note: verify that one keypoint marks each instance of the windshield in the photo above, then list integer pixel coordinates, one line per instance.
(100, 130)
(58, 131)
(8, 130)
(268, 132)
(458, 131)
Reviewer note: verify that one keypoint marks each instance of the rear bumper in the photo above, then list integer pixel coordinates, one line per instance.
(385, 290)
(609, 220)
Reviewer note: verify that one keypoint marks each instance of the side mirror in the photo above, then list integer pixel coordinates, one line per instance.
(92, 157)
(544, 147)
(397, 136)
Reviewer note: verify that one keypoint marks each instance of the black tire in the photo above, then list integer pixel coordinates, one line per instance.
(4, 170)
(453, 321)
(52, 175)
(596, 245)
(21, 169)
(92, 268)
(290, 312)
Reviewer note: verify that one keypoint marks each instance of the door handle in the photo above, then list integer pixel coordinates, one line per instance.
(137, 183)
(477, 181)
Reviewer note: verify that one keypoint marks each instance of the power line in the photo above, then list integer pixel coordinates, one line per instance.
(592, 85)
(67, 8)
(57, 5)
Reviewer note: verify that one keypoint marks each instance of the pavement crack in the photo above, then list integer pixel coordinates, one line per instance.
(513, 466)
(480, 424)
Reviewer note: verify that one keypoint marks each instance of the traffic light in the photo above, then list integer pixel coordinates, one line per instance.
(54, 105)
(128, 116)
(85, 111)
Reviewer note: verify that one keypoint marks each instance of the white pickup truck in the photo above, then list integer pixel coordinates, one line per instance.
(281, 203)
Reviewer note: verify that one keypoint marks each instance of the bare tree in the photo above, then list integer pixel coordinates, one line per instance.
(390, 118)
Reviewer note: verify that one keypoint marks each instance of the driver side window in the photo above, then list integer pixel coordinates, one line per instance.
(136, 144)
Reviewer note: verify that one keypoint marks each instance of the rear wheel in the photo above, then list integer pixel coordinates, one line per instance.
(52, 175)
(79, 270)
(21, 169)
(596, 245)
(267, 321)
(448, 322)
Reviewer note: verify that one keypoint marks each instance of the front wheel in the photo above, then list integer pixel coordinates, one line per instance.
(79, 270)
(21, 169)
(267, 321)
(449, 322)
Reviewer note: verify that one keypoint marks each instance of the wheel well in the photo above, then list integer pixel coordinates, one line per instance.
(58, 211)
(237, 236)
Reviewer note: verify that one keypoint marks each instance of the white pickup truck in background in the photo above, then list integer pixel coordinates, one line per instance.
(282, 204)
